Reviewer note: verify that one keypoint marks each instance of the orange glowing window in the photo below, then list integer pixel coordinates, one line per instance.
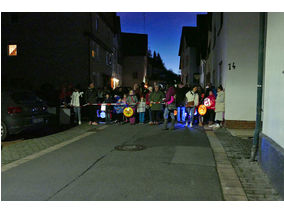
(12, 49)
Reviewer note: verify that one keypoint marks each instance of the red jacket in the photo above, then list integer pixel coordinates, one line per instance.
(148, 98)
(212, 101)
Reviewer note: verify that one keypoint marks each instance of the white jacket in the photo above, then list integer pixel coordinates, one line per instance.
(141, 107)
(75, 98)
(220, 102)
(191, 96)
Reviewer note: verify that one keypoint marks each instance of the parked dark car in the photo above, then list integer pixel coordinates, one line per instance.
(21, 110)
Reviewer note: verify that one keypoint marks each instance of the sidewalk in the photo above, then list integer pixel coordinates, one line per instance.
(22, 149)
(237, 144)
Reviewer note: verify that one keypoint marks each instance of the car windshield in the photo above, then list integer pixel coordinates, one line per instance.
(25, 98)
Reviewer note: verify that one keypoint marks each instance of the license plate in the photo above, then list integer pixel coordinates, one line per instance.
(37, 120)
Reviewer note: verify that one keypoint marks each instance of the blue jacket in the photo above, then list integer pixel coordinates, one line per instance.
(119, 109)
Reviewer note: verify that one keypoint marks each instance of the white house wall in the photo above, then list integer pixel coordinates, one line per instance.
(242, 49)
(273, 120)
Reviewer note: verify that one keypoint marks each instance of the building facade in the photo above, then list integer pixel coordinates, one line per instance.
(134, 50)
(233, 63)
(58, 48)
(189, 55)
(271, 154)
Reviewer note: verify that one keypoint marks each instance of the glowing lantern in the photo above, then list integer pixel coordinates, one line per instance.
(102, 114)
(128, 112)
(175, 112)
(202, 110)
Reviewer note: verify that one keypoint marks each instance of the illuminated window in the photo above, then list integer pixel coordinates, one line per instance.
(12, 50)
(93, 53)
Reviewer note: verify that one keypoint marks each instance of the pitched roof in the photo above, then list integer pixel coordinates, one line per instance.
(134, 44)
(192, 37)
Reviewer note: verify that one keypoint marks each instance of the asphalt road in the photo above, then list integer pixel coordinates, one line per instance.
(176, 165)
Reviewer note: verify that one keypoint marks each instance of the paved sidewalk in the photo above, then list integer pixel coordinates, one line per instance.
(28, 147)
(255, 182)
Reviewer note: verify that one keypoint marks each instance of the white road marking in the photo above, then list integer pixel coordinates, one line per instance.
(43, 152)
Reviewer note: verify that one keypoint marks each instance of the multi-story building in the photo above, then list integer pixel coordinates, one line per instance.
(134, 50)
(189, 57)
(58, 48)
(233, 63)
(104, 36)
(271, 154)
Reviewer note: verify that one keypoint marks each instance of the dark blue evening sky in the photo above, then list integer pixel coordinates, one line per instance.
(163, 29)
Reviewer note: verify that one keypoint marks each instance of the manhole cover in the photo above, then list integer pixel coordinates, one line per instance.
(130, 147)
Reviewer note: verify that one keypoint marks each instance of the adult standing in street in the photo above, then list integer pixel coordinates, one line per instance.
(220, 106)
(91, 98)
(148, 108)
(180, 99)
(209, 102)
(156, 108)
(192, 102)
(170, 106)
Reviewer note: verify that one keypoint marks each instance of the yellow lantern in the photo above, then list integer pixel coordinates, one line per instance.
(128, 112)
(202, 110)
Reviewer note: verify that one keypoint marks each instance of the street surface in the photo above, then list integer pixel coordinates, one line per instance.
(176, 165)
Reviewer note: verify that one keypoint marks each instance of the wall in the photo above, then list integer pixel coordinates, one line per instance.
(242, 49)
(273, 115)
(133, 64)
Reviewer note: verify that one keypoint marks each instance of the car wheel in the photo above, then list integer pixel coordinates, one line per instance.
(4, 131)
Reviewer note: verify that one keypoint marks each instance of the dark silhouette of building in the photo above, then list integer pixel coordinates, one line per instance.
(134, 50)
(58, 48)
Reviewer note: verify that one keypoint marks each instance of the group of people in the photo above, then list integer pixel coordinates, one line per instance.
(151, 104)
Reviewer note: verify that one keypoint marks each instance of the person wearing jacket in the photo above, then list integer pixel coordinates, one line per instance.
(91, 98)
(180, 100)
(220, 106)
(170, 106)
(108, 100)
(119, 110)
(192, 99)
(141, 108)
(156, 108)
(148, 108)
(132, 101)
(75, 103)
(210, 107)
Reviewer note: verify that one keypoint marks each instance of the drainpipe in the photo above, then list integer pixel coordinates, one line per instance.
(261, 52)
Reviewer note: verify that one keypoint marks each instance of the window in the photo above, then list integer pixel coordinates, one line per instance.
(135, 75)
(12, 50)
(108, 58)
(97, 24)
(214, 37)
(221, 24)
(14, 18)
(98, 52)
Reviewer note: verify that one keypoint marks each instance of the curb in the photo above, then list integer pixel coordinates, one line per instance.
(29, 147)
(230, 183)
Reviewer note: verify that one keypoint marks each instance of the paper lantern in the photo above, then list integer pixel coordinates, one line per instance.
(128, 112)
(207, 102)
(202, 110)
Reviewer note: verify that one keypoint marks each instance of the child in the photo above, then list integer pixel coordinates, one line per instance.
(108, 108)
(141, 108)
(119, 110)
(124, 101)
(75, 102)
(132, 101)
